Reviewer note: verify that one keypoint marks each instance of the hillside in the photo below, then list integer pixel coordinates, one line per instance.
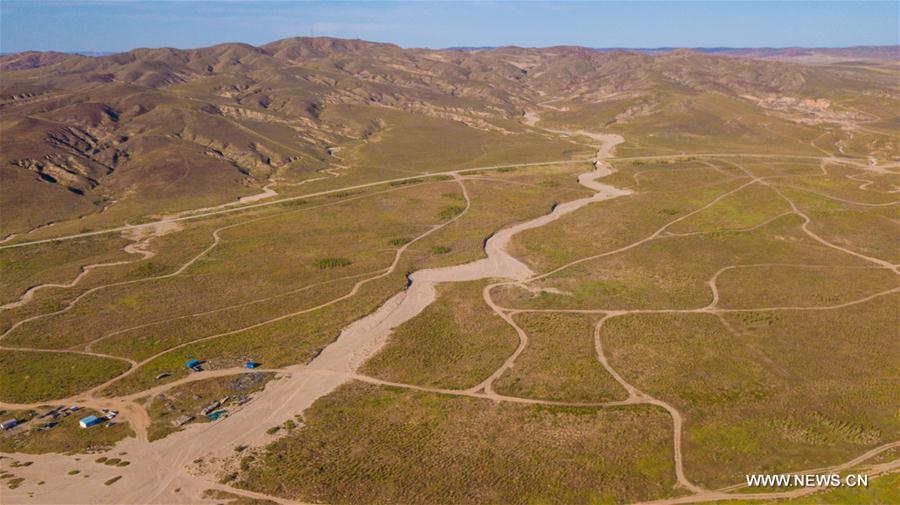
(156, 131)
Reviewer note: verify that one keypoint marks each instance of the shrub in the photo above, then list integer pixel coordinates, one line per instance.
(406, 182)
(451, 211)
(440, 249)
(324, 263)
(399, 241)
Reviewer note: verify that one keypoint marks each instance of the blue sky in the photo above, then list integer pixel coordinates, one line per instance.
(122, 25)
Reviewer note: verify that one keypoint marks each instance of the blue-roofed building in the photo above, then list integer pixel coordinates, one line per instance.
(193, 364)
(251, 364)
(89, 421)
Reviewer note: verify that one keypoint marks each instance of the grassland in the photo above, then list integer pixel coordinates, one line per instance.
(53, 262)
(498, 198)
(413, 144)
(454, 343)
(767, 405)
(559, 362)
(410, 447)
(298, 235)
(33, 376)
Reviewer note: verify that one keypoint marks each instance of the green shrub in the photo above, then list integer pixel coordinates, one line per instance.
(399, 241)
(324, 263)
(451, 211)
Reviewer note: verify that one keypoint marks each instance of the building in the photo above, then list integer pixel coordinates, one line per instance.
(251, 364)
(9, 424)
(89, 421)
(193, 364)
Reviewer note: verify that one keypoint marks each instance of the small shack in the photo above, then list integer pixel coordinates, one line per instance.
(251, 364)
(89, 421)
(9, 424)
(193, 364)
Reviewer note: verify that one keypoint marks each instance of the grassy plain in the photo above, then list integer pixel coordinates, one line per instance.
(410, 447)
(33, 376)
(275, 253)
(455, 343)
(560, 362)
(767, 405)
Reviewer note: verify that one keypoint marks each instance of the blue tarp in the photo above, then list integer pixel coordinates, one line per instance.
(192, 363)
(90, 421)
(215, 415)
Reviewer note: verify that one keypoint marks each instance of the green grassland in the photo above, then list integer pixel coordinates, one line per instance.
(837, 183)
(767, 404)
(371, 444)
(31, 376)
(414, 144)
(274, 254)
(499, 199)
(53, 262)
(711, 122)
(800, 285)
(171, 252)
(752, 206)
(290, 340)
(868, 230)
(560, 362)
(455, 343)
(673, 272)
(66, 436)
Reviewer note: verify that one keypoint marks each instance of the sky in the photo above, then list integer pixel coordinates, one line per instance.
(119, 25)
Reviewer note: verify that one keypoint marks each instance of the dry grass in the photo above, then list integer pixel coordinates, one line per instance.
(560, 362)
(456, 342)
(411, 448)
(32, 376)
(783, 391)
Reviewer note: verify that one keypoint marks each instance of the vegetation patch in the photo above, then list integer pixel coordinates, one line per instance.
(32, 376)
(420, 448)
(397, 242)
(456, 342)
(768, 402)
(324, 263)
(560, 362)
(451, 212)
